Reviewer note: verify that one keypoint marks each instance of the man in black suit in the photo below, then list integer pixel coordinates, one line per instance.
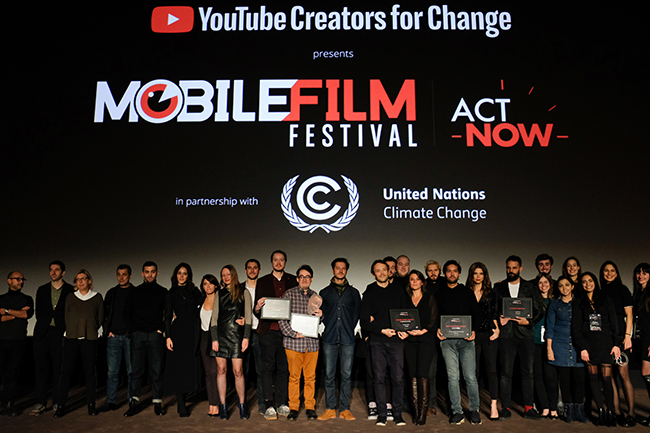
(48, 333)
(517, 338)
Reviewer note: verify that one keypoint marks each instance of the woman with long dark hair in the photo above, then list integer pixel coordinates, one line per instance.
(597, 339)
(612, 286)
(230, 329)
(545, 375)
(209, 287)
(487, 334)
(420, 344)
(571, 268)
(84, 315)
(562, 354)
(642, 312)
(183, 331)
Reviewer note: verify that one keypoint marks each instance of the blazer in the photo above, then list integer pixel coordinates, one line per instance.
(45, 313)
(526, 290)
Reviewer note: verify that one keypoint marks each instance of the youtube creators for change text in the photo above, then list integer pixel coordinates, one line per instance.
(405, 204)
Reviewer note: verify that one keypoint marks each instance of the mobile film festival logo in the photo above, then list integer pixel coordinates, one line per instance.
(315, 211)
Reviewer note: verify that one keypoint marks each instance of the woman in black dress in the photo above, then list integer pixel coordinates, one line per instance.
(182, 328)
(230, 330)
(610, 282)
(642, 313)
(597, 339)
(486, 342)
(420, 344)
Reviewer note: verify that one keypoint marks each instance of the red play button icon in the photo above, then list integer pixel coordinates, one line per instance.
(172, 19)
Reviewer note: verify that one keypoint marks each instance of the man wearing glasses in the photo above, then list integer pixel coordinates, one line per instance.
(301, 350)
(15, 309)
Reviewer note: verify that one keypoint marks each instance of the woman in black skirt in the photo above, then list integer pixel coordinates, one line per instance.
(597, 339)
(230, 329)
(420, 344)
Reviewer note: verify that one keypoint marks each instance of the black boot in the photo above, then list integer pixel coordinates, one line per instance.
(570, 416)
(601, 420)
(133, 408)
(423, 390)
(182, 409)
(414, 400)
(92, 411)
(579, 412)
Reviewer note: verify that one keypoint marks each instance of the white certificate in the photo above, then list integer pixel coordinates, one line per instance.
(305, 324)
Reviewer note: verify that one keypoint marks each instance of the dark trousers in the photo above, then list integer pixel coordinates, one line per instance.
(572, 384)
(388, 356)
(546, 386)
(274, 358)
(489, 349)
(508, 349)
(72, 349)
(210, 367)
(11, 355)
(147, 346)
(48, 354)
(254, 356)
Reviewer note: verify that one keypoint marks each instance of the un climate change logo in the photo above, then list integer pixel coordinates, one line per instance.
(318, 211)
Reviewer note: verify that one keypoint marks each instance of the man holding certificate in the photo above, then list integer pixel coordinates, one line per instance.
(301, 342)
(517, 335)
(459, 303)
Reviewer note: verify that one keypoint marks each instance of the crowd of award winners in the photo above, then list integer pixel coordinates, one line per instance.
(572, 344)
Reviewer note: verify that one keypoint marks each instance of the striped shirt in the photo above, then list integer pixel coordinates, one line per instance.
(299, 303)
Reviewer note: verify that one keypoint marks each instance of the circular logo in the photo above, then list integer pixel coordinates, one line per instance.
(159, 101)
(315, 210)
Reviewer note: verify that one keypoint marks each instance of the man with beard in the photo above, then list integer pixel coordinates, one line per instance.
(392, 268)
(144, 315)
(517, 338)
(455, 299)
(341, 303)
(48, 334)
(544, 265)
(274, 357)
(386, 347)
(16, 309)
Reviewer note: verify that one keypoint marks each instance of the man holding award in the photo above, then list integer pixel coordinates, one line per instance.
(522, 308)
(301, 342)
(269, 311)
(459, 313)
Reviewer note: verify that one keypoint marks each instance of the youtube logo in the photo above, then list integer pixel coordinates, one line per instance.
(172, 19)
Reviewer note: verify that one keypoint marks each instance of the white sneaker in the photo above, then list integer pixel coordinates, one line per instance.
(270, 414)
(372, 410)
(284, 410)
(389, 412)
(38, 409)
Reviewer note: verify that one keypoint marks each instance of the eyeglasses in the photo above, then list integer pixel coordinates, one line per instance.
(303, 277)
(80, 279)
(18, 279)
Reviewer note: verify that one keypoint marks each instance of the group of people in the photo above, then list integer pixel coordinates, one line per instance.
(578, 326)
